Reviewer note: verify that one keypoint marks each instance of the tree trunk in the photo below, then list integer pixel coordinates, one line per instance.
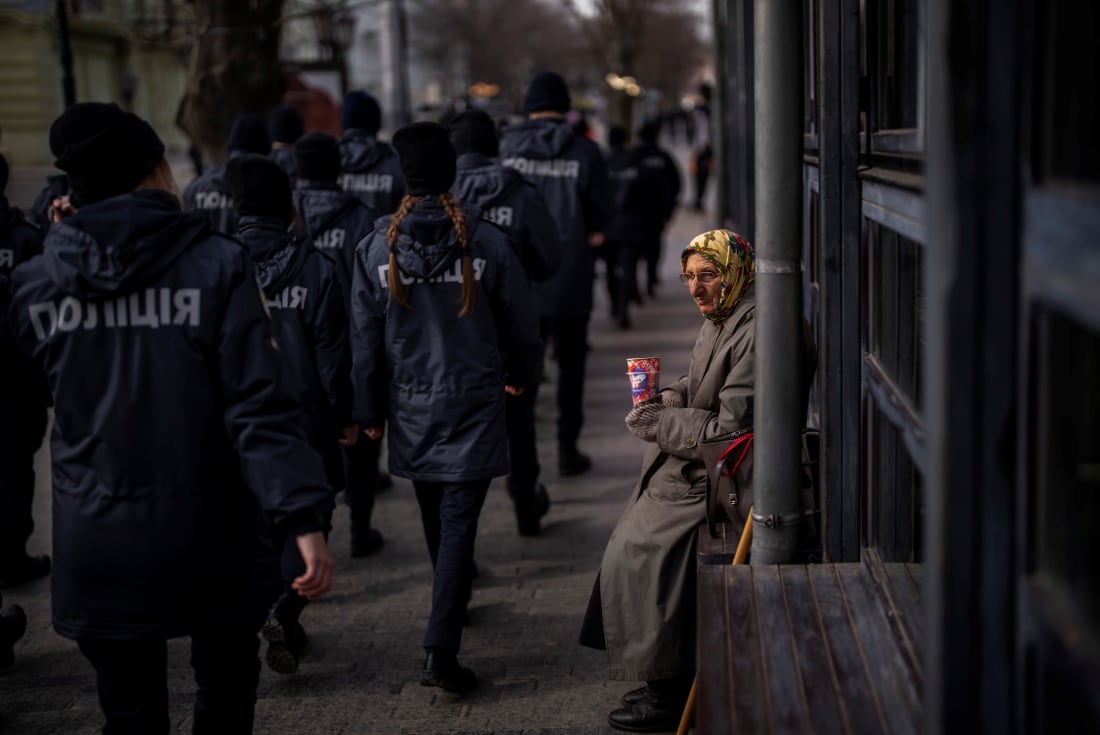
(235, 69)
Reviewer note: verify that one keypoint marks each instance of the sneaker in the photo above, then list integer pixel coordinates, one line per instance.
(365, 544)
(571, 462)
(285, 644)
(13, 624)
(23, 569)
(441, 669)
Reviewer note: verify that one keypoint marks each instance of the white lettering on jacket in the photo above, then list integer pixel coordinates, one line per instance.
(454, 275)
(153, 308)
(291, 297)
(501, 216)
(556, 168)
(7, 258)
(367, 182)
(212, 200)
(330, 239)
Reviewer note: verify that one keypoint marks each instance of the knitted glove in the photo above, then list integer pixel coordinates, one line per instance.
(671, 398)
(643, 420)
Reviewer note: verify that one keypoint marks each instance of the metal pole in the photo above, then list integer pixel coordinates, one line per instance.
(400, 65)
(777, 421)
(68, 82)
(721, 112)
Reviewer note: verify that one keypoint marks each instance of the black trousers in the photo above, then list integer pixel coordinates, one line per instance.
(522, 445)
(21, 432)
(132, 681)
(361, 470)
(449, 512)
(569, 335)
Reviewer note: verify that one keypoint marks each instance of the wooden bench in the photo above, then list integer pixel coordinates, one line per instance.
(820, 648)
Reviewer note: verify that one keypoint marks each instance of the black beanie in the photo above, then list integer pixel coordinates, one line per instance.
(427, 158)
(284, 125)
(473, 131)
(249, 135)
(617, 136)
(361, 112)
(318, 157)
(260, 188)
(649, 131)
(546, 93)
(105, 150)
(3, 174)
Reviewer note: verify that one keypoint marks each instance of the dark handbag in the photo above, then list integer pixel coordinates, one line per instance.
(728, 460)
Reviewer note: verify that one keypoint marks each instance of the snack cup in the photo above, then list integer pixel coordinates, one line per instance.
(644, 374)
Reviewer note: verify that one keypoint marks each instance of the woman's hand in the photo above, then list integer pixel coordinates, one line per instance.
(644, 419)
(350, 435)
(375, 432)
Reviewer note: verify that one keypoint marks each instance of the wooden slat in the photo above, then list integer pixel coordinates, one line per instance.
(885, 668)
(713, 703)
(746, 661)
(786, 705)
(820, 695)
(909, 611)
(864, 714)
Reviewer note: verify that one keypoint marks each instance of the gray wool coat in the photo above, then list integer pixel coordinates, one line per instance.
(647, 577)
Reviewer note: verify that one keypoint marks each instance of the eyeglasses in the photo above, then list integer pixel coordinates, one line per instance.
(703, 277)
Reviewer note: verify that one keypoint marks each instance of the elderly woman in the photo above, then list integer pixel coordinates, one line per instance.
(642, 609)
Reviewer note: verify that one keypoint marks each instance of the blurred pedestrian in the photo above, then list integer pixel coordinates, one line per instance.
(625, 230)
(24, 398)
(514, 205)
(208, 194)
(370, 166)
(177, 448)
(284, 127)
(309, 320)
(661, 186)
(335, 221)
(570, 174)
(700, 169)
(444, 325)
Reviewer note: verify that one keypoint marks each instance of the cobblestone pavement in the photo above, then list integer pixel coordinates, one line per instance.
(361, 674)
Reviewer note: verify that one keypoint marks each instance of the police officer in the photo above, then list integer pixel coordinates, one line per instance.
(514, 205)
(23, 401)
(175, 446)
(442, 318)
(209, 193)
(335, 221)
(570, 174)
(626, 229)
(309, 318)
(284, 127)
(661, 186)
(370, 166)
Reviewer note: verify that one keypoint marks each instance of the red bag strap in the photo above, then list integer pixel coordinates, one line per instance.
(745, 439)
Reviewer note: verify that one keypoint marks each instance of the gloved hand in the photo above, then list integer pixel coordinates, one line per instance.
(671, 398)
(643, 419)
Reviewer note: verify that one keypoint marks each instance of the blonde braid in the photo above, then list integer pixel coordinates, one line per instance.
(458, 217)
(397, 289)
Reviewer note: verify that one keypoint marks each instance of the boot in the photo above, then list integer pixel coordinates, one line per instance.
(285, 636)
(530, 513)
(13, 624)
(650, 713)
(441, 669)
(23, 568)
(365, 540)
(571, 462)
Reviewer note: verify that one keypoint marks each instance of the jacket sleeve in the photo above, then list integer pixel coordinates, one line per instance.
(517, 320)
(368, 349)
(331, 348)
(681, 430)
(542, 239)
(261, 415)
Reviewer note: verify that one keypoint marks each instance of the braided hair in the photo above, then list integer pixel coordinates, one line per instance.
(458, 218)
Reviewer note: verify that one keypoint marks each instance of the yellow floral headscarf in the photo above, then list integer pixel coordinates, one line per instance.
(735, 260)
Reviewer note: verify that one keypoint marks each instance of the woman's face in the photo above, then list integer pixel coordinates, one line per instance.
(705, 294)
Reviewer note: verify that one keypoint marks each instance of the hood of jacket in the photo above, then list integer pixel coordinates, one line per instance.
(481, 181)
(322, 206)
(545, 138)
(278, 254)
(120, 243)
(427, 244)
(360, 151)
(9, 215)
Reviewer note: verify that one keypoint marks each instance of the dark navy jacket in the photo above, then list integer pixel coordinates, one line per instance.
(335, 222)
(371, 171)
(513, 205)
(630, 199)
(570, 174)
(172, 428)
(56, 186)
(309, 314)
(437, 378)
(285, 159)
(210, 196)
(661, 177)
